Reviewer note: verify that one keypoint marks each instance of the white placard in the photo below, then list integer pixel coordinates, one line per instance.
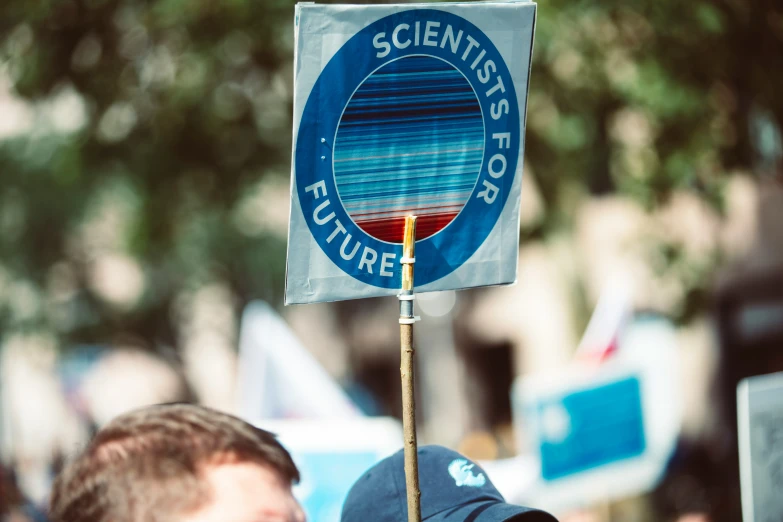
(760, 431)
(279, 378)
(414, 109)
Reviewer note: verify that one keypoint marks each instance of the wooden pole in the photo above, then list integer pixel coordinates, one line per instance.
(407, 352)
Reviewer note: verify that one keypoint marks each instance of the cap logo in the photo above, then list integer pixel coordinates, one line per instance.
(462, 473)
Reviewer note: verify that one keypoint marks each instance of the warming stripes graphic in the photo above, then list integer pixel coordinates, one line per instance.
(410, 141)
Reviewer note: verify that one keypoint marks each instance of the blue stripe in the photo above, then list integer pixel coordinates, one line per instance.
(412, 136)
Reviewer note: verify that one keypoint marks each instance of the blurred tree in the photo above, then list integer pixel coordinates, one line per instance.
(647, 97)
(141, 137)
(144, 145)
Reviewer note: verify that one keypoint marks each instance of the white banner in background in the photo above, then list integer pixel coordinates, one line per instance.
(760, 430)
(279, 378)
(398, 110)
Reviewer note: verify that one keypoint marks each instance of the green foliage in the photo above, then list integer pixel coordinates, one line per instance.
(154, 119)
(145, 129)
(692, 71)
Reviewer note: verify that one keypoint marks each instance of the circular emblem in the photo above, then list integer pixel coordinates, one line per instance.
(415, 114)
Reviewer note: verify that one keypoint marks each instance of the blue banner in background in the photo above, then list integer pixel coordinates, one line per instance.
(326, 479)
(591, 428)
(332, 454)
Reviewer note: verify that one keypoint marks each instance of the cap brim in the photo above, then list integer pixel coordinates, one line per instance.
(491, 511)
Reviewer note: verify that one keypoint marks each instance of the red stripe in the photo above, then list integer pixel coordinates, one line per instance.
(415, 210)
(391, 230)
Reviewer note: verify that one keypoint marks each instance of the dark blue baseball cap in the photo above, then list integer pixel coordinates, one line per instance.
(453, 489)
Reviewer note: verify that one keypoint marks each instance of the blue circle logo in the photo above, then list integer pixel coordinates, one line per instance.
(415, 114)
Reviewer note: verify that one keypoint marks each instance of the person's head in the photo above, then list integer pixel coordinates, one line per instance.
(453, 489)
(178, 463)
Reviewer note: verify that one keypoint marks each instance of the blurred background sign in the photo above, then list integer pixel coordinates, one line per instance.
(332, 455)
(760, 421)
(279, 378)
(591, 427)
(283, 389)
(603, 432)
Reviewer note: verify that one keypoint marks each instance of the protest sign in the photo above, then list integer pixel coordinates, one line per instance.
(406, 110)
(333, 460)
(275, 383)
(603, 432)
(760, 431)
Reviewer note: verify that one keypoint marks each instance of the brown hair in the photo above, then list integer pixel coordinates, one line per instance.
(147, 464)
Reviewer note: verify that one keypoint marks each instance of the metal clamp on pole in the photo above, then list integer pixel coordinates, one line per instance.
(407, 261)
